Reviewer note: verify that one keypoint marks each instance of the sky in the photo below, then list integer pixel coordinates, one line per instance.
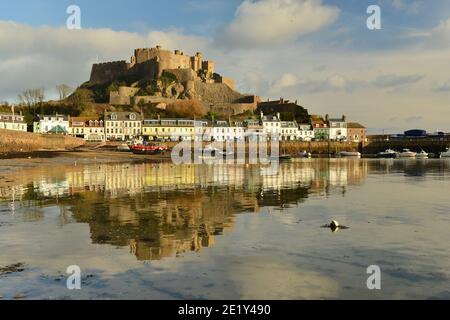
(318, 52)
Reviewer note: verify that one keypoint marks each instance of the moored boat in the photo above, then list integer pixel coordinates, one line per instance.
(422, 155)
(148, 149)
(406, 153)
(282, 157)
(123, 147)
(388, 154)
(446, 154)
(304, 154)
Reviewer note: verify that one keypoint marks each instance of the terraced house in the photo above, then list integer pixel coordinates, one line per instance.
(12, 122)
(90, 129)
(121, 126)
(168, 129)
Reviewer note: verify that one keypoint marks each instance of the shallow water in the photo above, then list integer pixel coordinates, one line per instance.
(143, 231)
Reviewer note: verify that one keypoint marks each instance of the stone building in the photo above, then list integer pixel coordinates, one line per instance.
(356, 132)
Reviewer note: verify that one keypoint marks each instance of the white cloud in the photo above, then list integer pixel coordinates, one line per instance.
(47, 56)
(392, 80)
(268, 22)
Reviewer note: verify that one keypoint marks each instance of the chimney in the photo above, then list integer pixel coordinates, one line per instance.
(278, 116)
(262, 115)
(344, 118)
(327, 117)
(158, 47)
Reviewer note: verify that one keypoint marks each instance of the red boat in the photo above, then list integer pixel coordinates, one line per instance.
(148, 149)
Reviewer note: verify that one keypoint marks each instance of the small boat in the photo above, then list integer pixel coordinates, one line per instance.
(422, 155)
(304, 154)
(446, 154)
(282, 157)
(148, 149)
(350, 154)
(406, 153)
(123, 148)
(285, 157)
(388, 154)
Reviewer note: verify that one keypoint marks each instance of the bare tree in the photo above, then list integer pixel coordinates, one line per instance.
(31, 98)
(64, 91)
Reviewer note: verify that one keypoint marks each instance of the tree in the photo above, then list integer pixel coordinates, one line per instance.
(64, 91)
(31, 98)
(186, 109)
(80, 99)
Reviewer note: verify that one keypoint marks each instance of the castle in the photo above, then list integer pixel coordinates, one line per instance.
(152, 62)
(196, 78)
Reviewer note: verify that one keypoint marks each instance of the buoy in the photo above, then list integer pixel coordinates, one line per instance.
(334, 224)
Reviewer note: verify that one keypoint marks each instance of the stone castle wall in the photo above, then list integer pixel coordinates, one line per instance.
(105, 72)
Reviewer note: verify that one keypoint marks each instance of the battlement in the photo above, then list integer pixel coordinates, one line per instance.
(150, 62)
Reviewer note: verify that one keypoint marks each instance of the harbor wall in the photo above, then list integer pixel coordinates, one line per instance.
(16, 141)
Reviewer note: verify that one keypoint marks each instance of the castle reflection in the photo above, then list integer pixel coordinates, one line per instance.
(163, 210)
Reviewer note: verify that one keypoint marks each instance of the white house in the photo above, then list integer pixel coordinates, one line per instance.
(224, 131)
(122, 125)
(52, 124)
(305, 132)
(271, 125)
(12, 122)
(289, 130)
(338, 128)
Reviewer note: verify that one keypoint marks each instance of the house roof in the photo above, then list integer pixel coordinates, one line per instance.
(122, 116)
(355, 125)
(58, 129)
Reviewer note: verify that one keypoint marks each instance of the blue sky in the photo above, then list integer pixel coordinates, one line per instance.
(317, 51)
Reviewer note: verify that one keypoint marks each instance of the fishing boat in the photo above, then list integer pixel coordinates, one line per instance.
(123, 147)
(446, 154)
(148, 149)
(350, 154)
(422, 155)
(406, 153)
(304, 154)
(388, 154)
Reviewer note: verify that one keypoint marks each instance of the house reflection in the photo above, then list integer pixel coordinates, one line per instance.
(163, 210)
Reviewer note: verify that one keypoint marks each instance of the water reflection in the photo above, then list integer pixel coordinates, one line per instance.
(165, 210)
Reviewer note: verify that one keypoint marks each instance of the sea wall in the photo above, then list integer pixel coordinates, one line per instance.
(15, 141)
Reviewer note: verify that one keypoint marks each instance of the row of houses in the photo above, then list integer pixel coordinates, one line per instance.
(122, 126)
